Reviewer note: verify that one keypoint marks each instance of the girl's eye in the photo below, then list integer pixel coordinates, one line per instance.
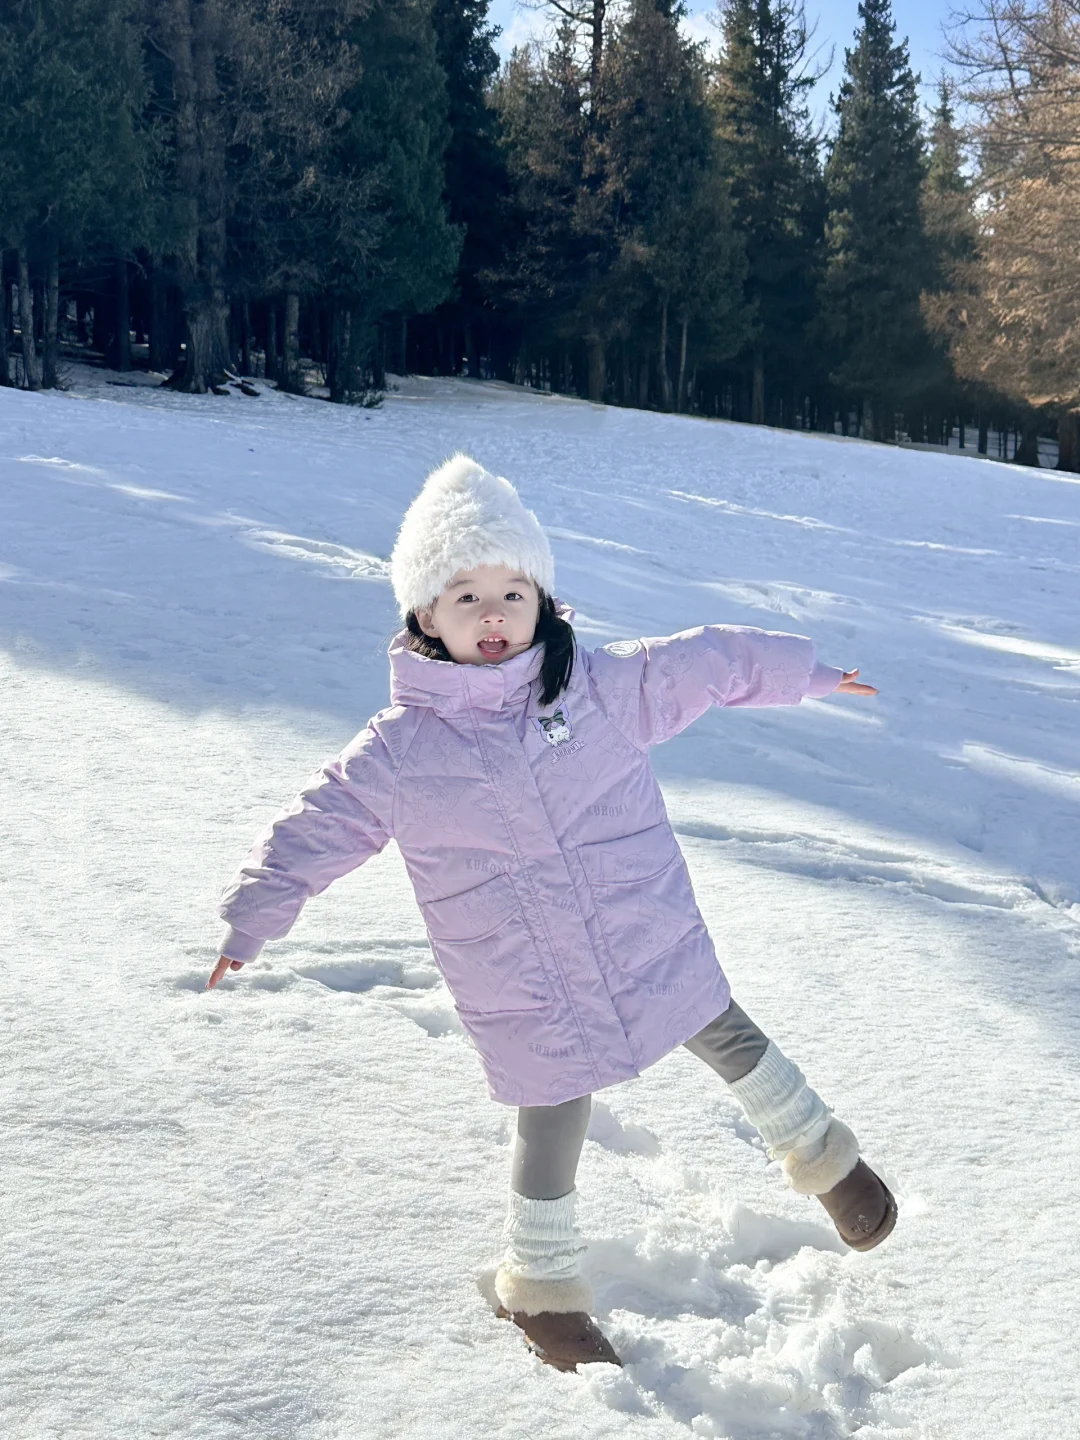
(513, 595)
(465, 597)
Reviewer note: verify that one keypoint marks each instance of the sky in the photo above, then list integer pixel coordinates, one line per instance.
(919, 20)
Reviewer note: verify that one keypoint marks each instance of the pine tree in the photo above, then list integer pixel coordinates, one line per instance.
(768, 149)
(548, 280)
(398, 133)
(877, 255)
(71, 155)
(477, 185)
(248, 98)
(672, 212)
(295, 218)
(951, 232)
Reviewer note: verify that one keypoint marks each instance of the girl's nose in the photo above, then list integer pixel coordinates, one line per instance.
(495, 614)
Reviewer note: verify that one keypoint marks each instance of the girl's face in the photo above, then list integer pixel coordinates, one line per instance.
(484, 616)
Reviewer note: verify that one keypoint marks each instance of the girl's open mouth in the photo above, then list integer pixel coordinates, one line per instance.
(493, 646)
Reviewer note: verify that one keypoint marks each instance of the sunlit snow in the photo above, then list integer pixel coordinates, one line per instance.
(273, 1210)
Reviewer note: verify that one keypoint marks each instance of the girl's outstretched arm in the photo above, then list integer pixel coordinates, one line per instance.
(341, 818)
(654, 688)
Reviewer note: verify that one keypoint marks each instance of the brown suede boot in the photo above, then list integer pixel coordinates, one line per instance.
(859, 1202)
(861, 1207)
(564, 1340)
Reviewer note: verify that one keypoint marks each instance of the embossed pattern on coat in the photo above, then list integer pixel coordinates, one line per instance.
(556, 898)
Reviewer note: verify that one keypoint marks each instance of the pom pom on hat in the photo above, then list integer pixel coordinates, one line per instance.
(463, 517)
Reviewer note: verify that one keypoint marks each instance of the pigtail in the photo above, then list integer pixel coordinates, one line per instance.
(560, 646)
(556, 636)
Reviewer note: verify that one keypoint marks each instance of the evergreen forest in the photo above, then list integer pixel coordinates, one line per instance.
(321, 193)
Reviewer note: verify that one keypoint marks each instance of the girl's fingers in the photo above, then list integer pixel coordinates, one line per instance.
(219, 970)
(850, 687)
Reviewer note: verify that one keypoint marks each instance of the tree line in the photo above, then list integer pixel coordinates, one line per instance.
(246, 185)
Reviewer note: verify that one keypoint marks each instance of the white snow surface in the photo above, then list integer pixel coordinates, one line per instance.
(274, 1209)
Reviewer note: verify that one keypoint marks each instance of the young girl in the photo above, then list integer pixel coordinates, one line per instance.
(512, 769)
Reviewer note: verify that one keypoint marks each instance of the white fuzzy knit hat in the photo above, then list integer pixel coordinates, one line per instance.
(465, 516)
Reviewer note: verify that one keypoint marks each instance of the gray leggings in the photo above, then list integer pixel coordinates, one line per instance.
(550, 1137)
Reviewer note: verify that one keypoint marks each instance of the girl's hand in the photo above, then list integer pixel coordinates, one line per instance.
(219, 970)
(850, 687)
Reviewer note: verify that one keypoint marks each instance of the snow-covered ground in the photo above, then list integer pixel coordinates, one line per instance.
(274, 1209)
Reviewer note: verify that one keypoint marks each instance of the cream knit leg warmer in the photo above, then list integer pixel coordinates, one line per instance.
(540, 1271)
(817, 1150)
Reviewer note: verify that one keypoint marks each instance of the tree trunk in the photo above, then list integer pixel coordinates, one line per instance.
(680, 393)
(101, 327)
(245, 339)
(757, 390)
(160, 356)
(643, 382)
(51, 348)
(121, 346)
(316, 346)
(205, 346)
(984, 434)
(1068, 437)
(961, 432)
(378, 378)
(403, 341)
(339, 363)
(31, 376)
(290, 378)
(597, 369)
(665, 378)
(1027, 452)
(5, 322)
(866, 419)
(272, 367)
(596, 66)
(189, 35)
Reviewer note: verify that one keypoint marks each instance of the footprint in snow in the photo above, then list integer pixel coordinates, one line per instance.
(755, 1327)
(395, 979)
(612, 1133)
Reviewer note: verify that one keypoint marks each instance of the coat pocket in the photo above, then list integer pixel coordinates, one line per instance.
(485, 951)
(642, 893)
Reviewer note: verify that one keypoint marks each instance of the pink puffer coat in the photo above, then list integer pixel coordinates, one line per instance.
(556, 899)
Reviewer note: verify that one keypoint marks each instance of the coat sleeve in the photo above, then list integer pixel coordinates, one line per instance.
(653, 689)
(341, 818)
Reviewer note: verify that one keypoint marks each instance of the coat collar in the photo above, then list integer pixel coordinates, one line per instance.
(444, 686)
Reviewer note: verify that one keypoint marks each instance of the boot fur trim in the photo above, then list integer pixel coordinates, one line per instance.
(525, 1296)
(835, 1163)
